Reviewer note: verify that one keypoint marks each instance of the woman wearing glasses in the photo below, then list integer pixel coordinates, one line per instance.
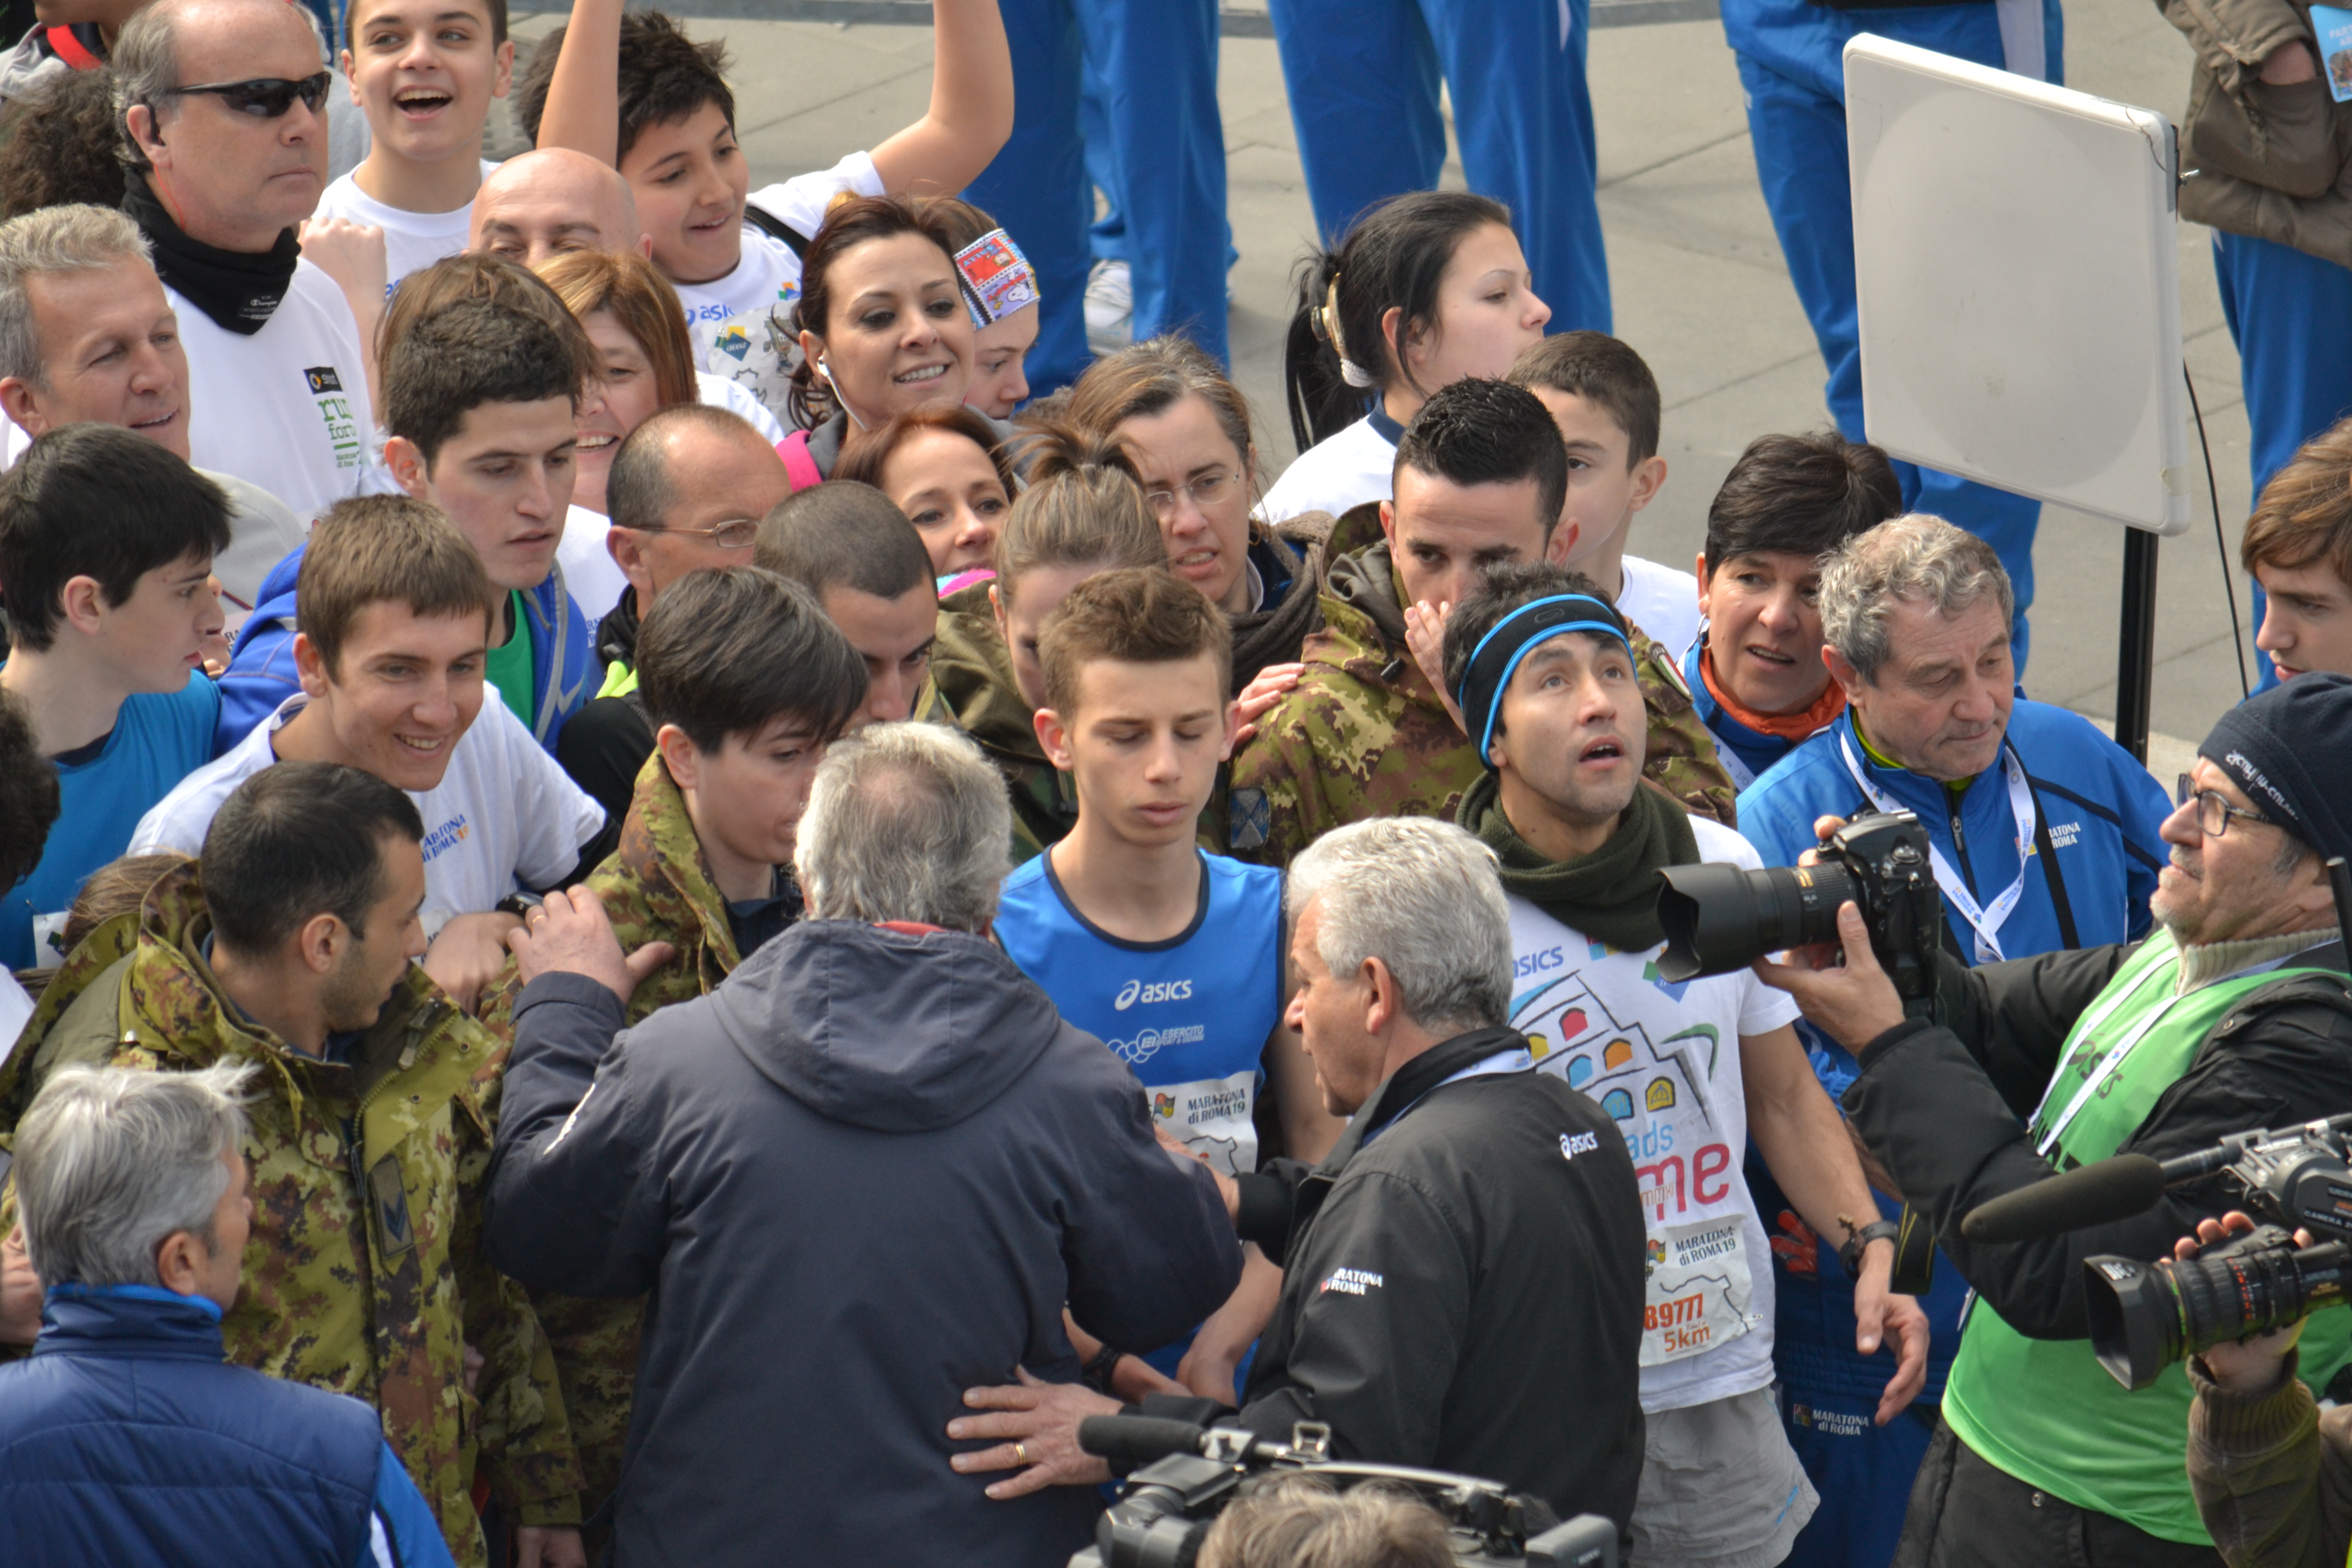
(1187, 429)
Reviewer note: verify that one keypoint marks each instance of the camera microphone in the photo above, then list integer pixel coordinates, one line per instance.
(2096, 1193)
(1131, 1442)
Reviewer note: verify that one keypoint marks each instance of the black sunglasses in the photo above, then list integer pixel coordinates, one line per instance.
(264, 96)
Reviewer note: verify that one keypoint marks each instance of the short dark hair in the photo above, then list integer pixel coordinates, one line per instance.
(95, 501)
(1605, 373)
(294, 841)
(1800, 495)
(664, 75)
(57, 141)
(470, 352)
(1137, 614)
(842, 534)
(28, 793)
(639, 487)
(497, 9)
(729, 652)
(373, 550)
(1502, 588)
(1482, 432)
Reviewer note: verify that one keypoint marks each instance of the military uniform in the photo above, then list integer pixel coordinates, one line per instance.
(655, 887)
(1365, 735)
(365, 1273)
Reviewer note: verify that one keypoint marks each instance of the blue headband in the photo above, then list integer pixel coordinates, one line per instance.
(1493, 663)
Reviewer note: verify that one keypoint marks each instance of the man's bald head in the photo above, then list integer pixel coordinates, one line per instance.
(553, 200)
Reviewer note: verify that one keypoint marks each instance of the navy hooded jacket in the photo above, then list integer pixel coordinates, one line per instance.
(860, 1177)
(126, 1439)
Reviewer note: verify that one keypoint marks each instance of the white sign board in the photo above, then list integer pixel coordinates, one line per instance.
(2017, 271)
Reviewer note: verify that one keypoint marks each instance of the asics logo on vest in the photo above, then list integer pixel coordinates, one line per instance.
(1136, 990)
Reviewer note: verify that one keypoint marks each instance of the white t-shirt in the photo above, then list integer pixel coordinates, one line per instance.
(410, 240)
(15, 1007)
(742, 323)
(1354, 466)
(288, 407)
(591, 579)
(719, 391)
(503, 814)
(1664, 1061)
(1662, 602)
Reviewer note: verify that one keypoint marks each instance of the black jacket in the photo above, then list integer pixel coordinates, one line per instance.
(1462, 1284)
(861, 1177)
(1943, 1105)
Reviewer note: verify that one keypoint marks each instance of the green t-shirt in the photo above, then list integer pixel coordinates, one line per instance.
(2044, 1411)
(508, 666)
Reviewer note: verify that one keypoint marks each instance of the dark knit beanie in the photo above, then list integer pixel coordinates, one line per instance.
(2290, 749)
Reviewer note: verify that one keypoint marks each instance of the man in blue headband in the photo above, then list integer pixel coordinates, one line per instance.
(1541, 667)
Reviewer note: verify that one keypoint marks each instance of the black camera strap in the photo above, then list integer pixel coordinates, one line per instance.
(2067, 936)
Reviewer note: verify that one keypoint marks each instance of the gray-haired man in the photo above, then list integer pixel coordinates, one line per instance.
(1462, 1275)
(88, 334)
(865, 1175)
(128, 1436)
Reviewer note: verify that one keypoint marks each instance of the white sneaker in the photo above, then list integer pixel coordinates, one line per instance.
(1111, 307)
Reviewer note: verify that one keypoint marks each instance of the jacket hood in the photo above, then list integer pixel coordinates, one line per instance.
(1363, 615)
(895, 1030)
(972, 670)
(273, 605)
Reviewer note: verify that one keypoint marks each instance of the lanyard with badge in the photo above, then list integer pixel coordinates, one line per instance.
(1985, 920)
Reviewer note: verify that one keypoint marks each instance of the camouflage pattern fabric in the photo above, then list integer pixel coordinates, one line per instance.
(366, 1273)
(1365, 735)
(655, 887)
(972, 672)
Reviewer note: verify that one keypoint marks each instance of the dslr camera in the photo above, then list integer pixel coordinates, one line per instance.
(1187, 1475)
(1719, 918)
(2147, 1316)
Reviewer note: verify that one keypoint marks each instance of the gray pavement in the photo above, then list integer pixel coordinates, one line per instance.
(1700, 287)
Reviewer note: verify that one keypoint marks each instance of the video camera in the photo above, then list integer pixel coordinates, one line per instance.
(1719, 919)
(2147, 1316)
(1187, 1475)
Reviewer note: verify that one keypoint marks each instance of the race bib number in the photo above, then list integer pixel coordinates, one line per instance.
(1211, 1118)
(1698, 1294)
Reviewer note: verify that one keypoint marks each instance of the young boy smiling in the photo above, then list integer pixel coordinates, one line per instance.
(1172, 957)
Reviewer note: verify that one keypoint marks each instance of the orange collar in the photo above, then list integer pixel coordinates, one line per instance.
(1780, 726)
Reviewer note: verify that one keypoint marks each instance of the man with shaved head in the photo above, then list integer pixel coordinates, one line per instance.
(223, 109)
(545, 203)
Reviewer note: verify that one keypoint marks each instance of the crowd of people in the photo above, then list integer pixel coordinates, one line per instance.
(687, 867)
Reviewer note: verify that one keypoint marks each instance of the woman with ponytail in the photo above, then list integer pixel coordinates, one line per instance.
(1427, 289)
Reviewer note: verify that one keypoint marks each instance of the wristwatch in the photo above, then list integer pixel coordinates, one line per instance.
(1098, 1371)
(1856, 1241)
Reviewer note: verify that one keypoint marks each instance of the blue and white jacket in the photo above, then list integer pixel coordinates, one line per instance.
(565, 671)
(127, 1439)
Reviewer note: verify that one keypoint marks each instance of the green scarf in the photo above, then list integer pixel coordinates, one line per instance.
(1610, 895)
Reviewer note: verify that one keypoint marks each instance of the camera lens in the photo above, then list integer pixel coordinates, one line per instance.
(1719, 918)
(2145, 1316)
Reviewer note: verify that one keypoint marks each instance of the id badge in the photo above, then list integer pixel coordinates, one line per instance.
(1698, 1293)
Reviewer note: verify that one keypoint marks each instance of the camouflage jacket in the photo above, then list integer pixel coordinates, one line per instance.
(972, 671)
(1365, 735)
(657, 887)
(366, 1273)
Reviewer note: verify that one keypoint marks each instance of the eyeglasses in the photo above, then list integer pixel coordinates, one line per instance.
(1206, 491)
(2214, 812)
(734, 533)
(263, 97)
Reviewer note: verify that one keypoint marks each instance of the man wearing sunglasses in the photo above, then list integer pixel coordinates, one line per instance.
(688, 489)
(2233, 1014)
(225, 134)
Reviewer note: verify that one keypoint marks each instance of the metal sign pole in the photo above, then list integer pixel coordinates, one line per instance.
(2135, 651)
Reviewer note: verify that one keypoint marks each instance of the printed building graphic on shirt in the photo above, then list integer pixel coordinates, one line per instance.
(1655, 1074)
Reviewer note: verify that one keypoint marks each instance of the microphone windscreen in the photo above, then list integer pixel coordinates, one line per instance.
(2096, 1193)
(1131, 1442)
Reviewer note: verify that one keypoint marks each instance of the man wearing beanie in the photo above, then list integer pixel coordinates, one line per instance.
(2233, 1014)
(1541, 668)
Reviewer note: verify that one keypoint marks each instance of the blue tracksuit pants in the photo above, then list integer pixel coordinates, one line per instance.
(1155, 66)
(1363, 80)
(2290, 314)
(1792, 74)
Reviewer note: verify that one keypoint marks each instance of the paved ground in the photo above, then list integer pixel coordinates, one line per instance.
(1700, 287)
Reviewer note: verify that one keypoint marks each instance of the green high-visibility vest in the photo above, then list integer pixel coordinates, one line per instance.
(2044, 1411)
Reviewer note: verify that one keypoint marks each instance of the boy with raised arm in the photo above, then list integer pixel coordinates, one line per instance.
(1172, 957)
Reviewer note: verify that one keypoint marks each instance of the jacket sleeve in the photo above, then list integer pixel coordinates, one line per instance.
(1280, 764)
(2272, 1473)
(1926, 1109)
(1268, 1199)
(405, 1534)
(572, 1206)
(1146, 1242)
(1375, 1353)
(2014, 1016)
